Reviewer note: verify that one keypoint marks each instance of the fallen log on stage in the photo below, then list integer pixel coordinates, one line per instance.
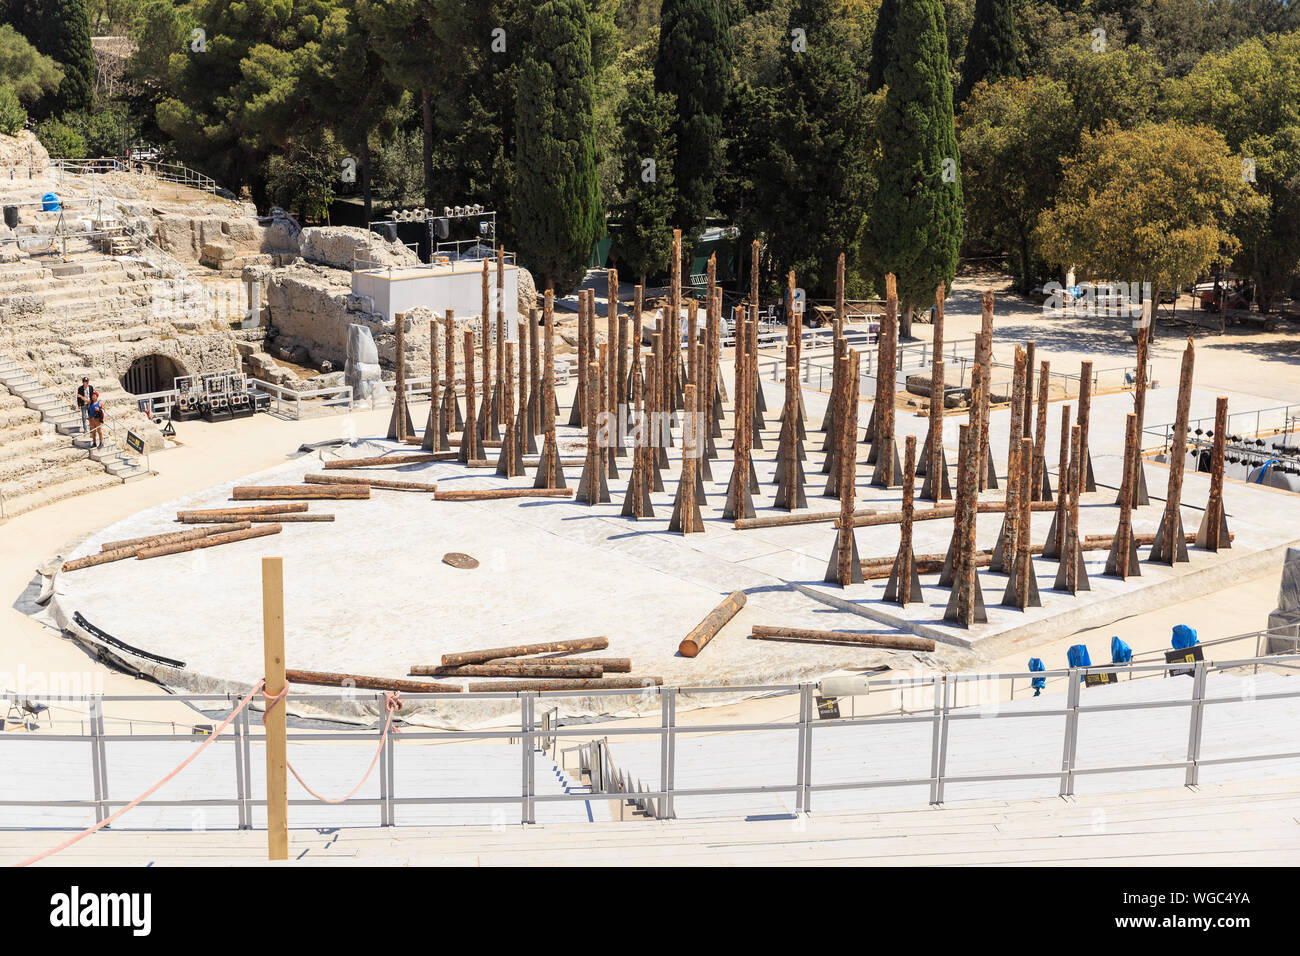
(263, 519)
(524, 650)
(262, 492)
(933, 563)
(888, 641)
(782, 521)
(522, 669)
(323, 679)
(528, 462)
(489, 494)
(610, 665)
(939, 511)
(245, 512)
(387, 461)
(369, 482)
(211, 541)
(595, 683)
(168, 537)
(713, 622)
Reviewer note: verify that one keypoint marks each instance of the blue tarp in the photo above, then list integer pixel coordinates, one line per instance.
(1038, 683)
(50, 203)
(1120, 653)
(1184, 636)
(1078, 656)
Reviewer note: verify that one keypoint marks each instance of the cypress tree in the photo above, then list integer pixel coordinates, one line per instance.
(61, 30)
(558, 212)
(993, 50)
(693, 63)
(880, 43)
(916, 214)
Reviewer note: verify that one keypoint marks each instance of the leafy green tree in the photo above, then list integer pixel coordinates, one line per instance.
(994, 50)
(60, 29)
(693, 64)
(558, 213)
(643, 237)
(1251, 95)
(915, 221)
(61, 140)
(1121, 85)
(27, 72)
(1153, 204)
(12, 115)
(1013, 136)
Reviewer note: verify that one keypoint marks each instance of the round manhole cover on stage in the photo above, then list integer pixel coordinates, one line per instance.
(458, 560)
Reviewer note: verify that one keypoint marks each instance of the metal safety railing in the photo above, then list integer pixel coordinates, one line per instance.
(943, 711)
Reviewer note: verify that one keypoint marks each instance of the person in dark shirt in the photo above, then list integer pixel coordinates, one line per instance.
(84, 396)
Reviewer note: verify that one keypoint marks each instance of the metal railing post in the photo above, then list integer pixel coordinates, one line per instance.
(667, 752)
(97, 774)
(943, 740)
(526, 702)
(936, 732)
(1071, 734)
(1195, 724)
(391, 754)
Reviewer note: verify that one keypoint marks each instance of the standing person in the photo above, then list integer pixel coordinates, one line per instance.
(96, 421)
(84, 396)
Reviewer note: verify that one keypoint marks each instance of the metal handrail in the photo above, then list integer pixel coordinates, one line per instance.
(530, 732)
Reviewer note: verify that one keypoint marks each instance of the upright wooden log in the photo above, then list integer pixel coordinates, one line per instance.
(1123, 560)
(1213, 532)
(686, 517)
(471, 446)
(550, 473)
(1140, 496)
(885, 448)
(904, 584)
(1004, 553)
(482, 656)
(433, 428)
(987, 476)
(1040, 486)
(398, 423)
(1022, 587)
(845, 567)
(1071, 574)
(936, 486)
(209, 541)
(452, 420)
(502, 384)
(1170, 545)
(1085, 417)
(593, 488)
(1056, 530)
(713, 622)
(740, 502)
(510, 461)
(535, 395)
(898, 642)
(966, 602)
(1027, 418)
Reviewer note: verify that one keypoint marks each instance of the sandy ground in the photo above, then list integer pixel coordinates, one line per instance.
(1266, 366)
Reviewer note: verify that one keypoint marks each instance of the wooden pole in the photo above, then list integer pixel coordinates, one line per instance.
(535, 394)
(432, 430)
(985, 478)
(267, 492)
(169, 536)
(903, 586)
(224, 536)
(485, 376)
(844, 568)
(484, 655)
(1212, 534)
(502, 384)
(713, 622)
(363, 682)
(1140, 496)
(471, 437)
(244, 512)
(273, 720)
(384, 461)
(520, 669)
(550, 473)
(369, 482)
(1169, 547)
(451, 418)
(813, 636)
(493, 494)
(1039, 487)
(399, 429)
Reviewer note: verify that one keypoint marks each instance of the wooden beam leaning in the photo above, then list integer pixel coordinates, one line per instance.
(1004, 550)
(904, 584)
(210, 541)
(713, 622)
(897, 642)
(1213, 532)
(484, 655)
(501, 385)
(1170, 545)
(844, 567)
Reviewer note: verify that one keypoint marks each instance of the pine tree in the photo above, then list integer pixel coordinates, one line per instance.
(558, 213)
(812, 184)
(916, 216)
(880, 44)
(60, 29)
(993, 50)
(646, 181)
(693, 63)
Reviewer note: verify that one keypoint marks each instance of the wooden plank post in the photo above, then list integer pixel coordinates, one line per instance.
(1170, 545)
(273, 720)
(1213, 533)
